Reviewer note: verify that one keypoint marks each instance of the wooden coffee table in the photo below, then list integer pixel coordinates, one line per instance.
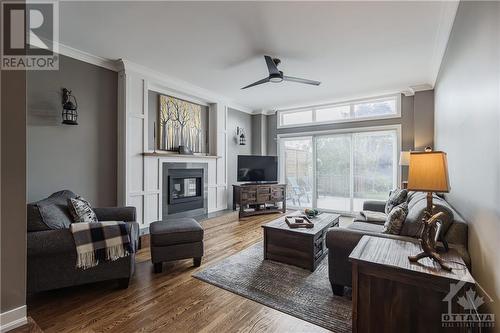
(302, 247)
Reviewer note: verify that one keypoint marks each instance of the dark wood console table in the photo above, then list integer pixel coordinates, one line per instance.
(256, 199)
(392, 294)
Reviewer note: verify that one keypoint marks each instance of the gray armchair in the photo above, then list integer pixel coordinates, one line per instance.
(52, 254)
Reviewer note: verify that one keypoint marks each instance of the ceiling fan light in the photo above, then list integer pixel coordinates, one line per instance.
(276, 79)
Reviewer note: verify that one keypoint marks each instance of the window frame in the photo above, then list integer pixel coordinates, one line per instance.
(351, 103)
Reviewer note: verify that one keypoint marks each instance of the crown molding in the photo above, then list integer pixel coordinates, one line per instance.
(447, 18)
(179, 85)
(165, 80)
(71, 52)
(411, 90)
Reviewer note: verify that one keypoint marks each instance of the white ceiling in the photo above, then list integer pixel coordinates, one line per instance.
(354, 48)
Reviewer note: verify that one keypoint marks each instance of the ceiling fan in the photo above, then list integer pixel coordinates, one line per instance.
(276, 76)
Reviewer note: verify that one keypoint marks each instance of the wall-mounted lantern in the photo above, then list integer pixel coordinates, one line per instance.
(240, 136)
(70, 106)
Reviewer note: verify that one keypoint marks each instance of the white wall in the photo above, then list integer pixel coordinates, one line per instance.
(467, 127)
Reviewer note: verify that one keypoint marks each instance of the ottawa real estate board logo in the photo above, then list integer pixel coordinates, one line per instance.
(30, 35)
(466, 313)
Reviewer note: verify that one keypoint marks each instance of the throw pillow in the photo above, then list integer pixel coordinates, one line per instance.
(50, 213)
(397, 197)
(81, 210)
(394, 222)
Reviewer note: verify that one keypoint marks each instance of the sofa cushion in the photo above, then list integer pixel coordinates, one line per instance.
(50, 213)
(397, 197)
(363, 226)
(175, 231)
(395, 219)
(371, 216)
(81, 210)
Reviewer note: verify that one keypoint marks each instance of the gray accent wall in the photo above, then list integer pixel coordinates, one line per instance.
(423, 119)
(81, 158)
(272, 146)
(259, 134)
(13, 190)
(467, 127)
(236, 118)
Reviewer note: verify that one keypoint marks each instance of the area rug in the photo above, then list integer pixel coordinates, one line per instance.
(289, 289)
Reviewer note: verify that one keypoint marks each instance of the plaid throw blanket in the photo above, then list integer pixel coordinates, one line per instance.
(99, 241)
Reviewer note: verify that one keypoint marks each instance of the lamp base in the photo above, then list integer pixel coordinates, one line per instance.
(433, 255)
(428, 238)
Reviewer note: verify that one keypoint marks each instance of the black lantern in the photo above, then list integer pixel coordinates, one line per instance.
(241, 136)
(69, 104)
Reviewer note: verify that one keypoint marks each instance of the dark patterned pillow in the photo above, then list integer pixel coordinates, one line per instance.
(397, 197)
(394, 222)
(81, 210)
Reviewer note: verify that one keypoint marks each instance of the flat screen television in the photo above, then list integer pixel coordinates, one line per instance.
(257, 168)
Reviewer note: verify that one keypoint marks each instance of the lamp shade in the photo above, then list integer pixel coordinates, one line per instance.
(428, 172)
(404, 158)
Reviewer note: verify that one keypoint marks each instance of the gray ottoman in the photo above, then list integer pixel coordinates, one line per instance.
(175, 239)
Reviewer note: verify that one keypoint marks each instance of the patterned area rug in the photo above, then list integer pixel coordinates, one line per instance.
(289, 289)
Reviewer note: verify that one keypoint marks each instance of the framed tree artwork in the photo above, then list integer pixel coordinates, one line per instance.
(181, 123)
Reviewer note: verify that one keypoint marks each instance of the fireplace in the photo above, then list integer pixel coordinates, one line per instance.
(184, 190)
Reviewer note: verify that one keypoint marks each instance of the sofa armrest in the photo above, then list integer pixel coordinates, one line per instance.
(50, 242)
(340, 243)
(126, 214)
(374, 206)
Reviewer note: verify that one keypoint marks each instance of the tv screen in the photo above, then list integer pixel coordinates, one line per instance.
(257, 168)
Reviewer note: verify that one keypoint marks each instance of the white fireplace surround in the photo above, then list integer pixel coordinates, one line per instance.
(139, 169)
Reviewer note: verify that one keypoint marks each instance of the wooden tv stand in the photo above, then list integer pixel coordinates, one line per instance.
(256, 199)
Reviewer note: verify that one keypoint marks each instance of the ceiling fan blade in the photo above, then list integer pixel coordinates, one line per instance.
(299, 80)
(257, 83)
(271, 66)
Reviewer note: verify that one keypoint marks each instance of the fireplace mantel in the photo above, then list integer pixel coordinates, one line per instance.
(175, 155)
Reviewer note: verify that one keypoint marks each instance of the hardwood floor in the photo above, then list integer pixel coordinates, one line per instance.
(172, 301)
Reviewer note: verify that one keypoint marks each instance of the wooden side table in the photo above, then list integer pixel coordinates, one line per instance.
(392, 294)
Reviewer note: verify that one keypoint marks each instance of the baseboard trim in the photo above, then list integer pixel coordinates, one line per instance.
(13, 318)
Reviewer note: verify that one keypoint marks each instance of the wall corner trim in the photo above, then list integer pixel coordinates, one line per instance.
(13, 318)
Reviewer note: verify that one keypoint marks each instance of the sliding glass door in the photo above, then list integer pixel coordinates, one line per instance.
(333, 172)
(339, 171)
(374, 166)
(297, 157)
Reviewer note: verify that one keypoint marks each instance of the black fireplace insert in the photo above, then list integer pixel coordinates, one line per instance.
(185, 190)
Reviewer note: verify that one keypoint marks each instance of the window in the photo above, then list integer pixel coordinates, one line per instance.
(383, 107)
(298, 117)
(340, 171)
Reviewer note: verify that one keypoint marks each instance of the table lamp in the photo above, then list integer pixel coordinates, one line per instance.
(428, 172)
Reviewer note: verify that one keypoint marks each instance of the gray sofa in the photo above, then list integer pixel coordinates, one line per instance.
(51, 248)
(341, 241)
